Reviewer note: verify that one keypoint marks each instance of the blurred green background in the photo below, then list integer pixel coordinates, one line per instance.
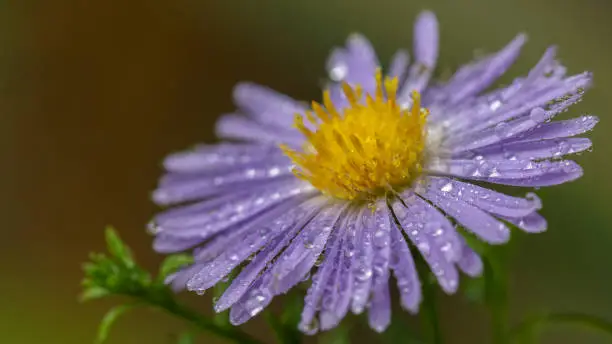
(95, 93)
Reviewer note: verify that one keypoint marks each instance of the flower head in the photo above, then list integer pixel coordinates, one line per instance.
(384, 166)
(365, 149)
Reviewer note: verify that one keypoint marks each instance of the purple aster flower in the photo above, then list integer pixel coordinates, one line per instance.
(352, 188)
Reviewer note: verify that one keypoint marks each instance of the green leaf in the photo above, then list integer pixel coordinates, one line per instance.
(186, 338)
(92, 293)
(109, 319)
(117, 248)
(173, 263)
(118, 274)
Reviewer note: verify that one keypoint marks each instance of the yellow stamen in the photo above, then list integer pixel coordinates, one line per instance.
(366, 150)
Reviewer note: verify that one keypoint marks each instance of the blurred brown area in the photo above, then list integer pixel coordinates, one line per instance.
(95, 93)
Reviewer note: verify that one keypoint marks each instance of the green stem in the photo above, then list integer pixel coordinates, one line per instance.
(497, 300)
(431, 321)
(527, 329)
(169, 305)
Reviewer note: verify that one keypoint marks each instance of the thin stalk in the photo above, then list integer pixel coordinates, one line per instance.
(169, 305)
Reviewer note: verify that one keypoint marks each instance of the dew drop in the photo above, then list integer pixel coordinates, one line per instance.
(448, 187)
(502, 129)
(538, 115)
(312, 327)
(273, 172)
(424, 248)
(255, 310)
(363, 274)
(338, 72)
(495, 105)
(153, 228)
(563, 148)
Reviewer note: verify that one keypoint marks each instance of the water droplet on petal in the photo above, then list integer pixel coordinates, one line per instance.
(448, 187)
(538, 115)
(338, 72)
(153, 228)
(502, 129)
(424, 248)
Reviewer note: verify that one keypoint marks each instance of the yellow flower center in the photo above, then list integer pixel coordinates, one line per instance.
(365, 151)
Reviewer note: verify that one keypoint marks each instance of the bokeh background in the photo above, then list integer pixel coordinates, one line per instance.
(94, 93)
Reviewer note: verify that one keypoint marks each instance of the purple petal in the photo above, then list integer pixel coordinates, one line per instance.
(252, 303)
(179, 240)
(327, 314)
(399, 64)
(474, 131)
(219, 243)
(321, 281)
(298, 259)
(489, 70)
(470, 262)
(500, 132)
(426, 39)
(405, 272)
(562, 94)
(415, 221)
(509, 172)
(243, 281)
(355, 64)
(336, 300)
(229, 205)
(379, 312)
(473, 219)
(259, 232)
(558, 129)
(436, 226)
(178, 280)
(219, 157)
(488, 200)
(537, 72)
(362, 263)
(169, 244)
(267, 106)
(205, 186)
(232, 213)
(532, 223)
(187, 211)
(534, 150)
(236, 127)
